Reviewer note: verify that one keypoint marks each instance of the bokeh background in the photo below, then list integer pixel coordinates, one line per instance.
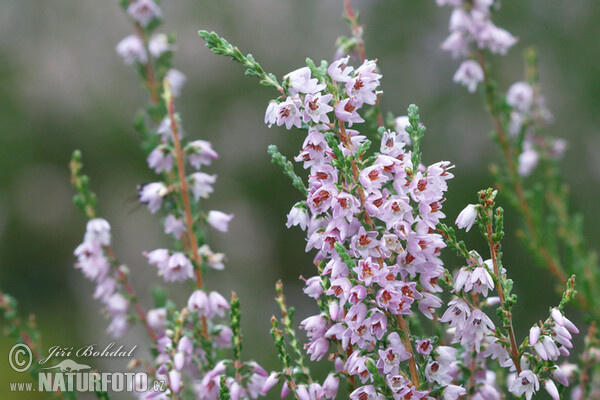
(63, 87)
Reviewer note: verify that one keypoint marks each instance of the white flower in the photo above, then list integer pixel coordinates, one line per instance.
(520, 96)
(176, 80)
(469, 74)
(526, 383)
(467, 217)
(132, 50)
(98, 230)
(219, 220)
(144, 11)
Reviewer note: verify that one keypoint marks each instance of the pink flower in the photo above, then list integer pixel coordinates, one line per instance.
(316, 108)
(526, 383)
(152, 195)
(339, 70)
(132, 50)
(469, 74)
(175, 226)
(520, 96)
(202, 184)
(467, 217)
(160, 159)
(301, 82)
(346, 111)
(200, 152)
(288, 113)
(97, 230)
(179, 268)
(144, 11)
(219, 220)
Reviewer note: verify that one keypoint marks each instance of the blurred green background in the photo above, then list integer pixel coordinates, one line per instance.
(63, 87)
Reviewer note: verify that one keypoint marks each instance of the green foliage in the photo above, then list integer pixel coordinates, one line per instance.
(84, 198)
(219, 45)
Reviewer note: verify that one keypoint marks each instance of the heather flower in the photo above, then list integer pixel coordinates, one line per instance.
(316, 107)
(202, 184)
(144, 11)
(219, 220)
(528, 160)
(174, 225)
(346, 111)
(520, 96)
(526, 383)
(159, 45)
(176, 81)
(298, 216)
(339, 70)
(160, 159)
(98, 230)
(469, 74)
(179, 268)
(152, 195)
(467, 217)
(132, 50)
(213, 260)
(288, 113)
(453, 392)
(200, 152)
(301, 82)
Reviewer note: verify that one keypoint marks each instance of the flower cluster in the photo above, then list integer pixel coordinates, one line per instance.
(472, 32)
(188, 343)
(480, 339)
(94, 261)
(373, 226)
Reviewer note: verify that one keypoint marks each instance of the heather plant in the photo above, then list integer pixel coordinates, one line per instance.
(395, 316)
(530, 176)
(373, 220)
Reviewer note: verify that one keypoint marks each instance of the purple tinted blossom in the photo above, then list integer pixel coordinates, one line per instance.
(453, 392)
(526, 383)
(477, 327)
(467, 217)
(219, 220)
(534, 335)
(202, 184)
(200, 152)
(97, 230)
(174, 225)
(160, 159)
(366, 393)
(520, 96)
(159, 44)
(152, 195)
(198, 302)
(213, 260)
(314, 287)
(316, 107)
(346, 111)
(469, 74)
(156, 318)
(528, 159)
(179, 268)
(132, 50)
(144, 11)
(301, 82)
(91, 260)
(298, 216)
(551, 389)
(339, 70)
(424, 347)
(176, 81)
(288, 113)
